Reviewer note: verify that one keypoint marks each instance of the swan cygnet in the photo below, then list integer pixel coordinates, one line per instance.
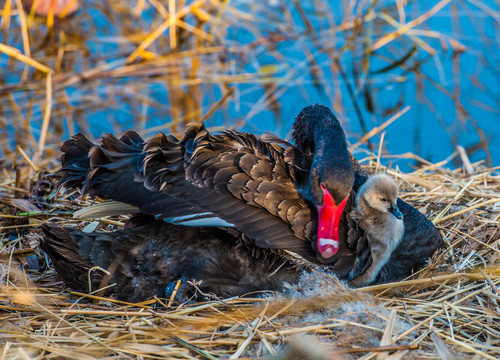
(377, 213)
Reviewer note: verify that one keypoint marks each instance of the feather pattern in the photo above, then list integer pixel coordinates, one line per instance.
(264, 186)
(243, 180)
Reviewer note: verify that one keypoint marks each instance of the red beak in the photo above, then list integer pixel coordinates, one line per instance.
(328, 224)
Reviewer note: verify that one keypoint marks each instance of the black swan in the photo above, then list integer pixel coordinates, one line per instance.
(279, 195)
(276, 195)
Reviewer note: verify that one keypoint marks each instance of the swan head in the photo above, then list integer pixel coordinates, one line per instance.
(317, 131)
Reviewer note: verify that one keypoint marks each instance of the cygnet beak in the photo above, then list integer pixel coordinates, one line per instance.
(394, 210)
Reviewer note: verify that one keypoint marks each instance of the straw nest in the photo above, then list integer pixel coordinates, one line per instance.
(448, 310)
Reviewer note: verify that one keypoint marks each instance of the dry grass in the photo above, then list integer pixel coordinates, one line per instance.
(167, 78)
(450, 307)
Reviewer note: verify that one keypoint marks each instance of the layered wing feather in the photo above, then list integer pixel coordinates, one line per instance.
(239, 178)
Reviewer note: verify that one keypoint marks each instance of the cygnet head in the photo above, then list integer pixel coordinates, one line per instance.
(380, 192)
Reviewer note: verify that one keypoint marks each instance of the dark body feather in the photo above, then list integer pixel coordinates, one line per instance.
(149, 259)
(265, 186)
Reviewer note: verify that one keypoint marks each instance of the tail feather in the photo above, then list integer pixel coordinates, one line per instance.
(75, 161)
(116, 175)
(62, 247)
(76, 254)
(129, 142)
(114, 166)
(112, 171)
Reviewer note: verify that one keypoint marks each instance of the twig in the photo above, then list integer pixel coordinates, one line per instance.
(378, 129)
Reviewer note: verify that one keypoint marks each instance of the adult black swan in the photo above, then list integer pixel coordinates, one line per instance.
(151, 257)
(275, 194)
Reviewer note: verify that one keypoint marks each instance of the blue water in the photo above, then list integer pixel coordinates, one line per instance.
(434, 124)
(454, 97)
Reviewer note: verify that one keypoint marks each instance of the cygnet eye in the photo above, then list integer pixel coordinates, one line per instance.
(383, 199)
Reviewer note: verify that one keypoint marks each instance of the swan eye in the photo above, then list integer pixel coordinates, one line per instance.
(383, 199)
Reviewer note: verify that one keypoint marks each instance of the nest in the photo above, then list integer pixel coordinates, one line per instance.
(447, 310)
